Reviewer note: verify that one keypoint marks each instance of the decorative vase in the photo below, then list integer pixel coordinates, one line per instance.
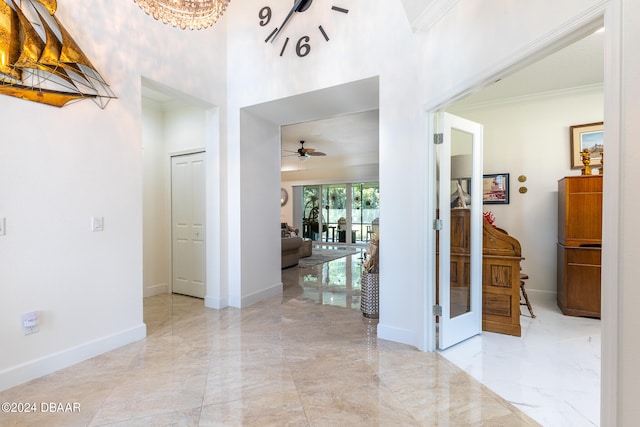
(370, 295)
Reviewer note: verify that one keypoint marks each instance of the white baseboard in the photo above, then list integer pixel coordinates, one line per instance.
(54, 362)
(255, 297)
(403, 336)
(216, 303)
(160, 288)
(541, 295)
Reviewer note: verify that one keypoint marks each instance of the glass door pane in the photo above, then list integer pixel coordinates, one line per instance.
(461, 179)
(356, 213)
(335, 209)
(370, 210)
(311, 212)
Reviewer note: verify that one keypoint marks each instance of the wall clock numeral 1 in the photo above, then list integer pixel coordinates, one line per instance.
(324, 34)
(275, 30)
(284, 46)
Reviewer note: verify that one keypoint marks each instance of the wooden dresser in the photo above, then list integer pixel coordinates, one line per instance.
(579, 245)
(501, 256)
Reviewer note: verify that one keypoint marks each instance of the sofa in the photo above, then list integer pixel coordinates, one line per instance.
(290, 247)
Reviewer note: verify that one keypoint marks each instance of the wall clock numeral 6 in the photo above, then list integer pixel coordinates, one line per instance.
(303, 47)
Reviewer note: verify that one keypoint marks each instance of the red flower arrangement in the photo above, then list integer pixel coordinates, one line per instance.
(490, 218)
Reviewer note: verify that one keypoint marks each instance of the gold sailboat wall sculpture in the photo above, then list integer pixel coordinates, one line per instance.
(40, 61)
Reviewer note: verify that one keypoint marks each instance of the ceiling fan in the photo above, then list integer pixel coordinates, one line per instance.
(303, 152)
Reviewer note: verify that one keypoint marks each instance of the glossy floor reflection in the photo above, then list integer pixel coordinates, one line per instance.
(306, 358)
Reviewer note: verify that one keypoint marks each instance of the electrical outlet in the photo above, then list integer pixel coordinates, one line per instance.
(30, 322)
(3, 226)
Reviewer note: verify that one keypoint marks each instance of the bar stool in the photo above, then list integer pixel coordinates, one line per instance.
(526, 302)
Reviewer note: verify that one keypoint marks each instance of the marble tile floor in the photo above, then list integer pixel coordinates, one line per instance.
(306, 358)
(551, 372)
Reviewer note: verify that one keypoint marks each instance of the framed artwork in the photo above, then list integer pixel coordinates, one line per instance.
(495, 189)
(587, 137)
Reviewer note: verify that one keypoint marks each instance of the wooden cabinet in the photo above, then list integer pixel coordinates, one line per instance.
(579, 245)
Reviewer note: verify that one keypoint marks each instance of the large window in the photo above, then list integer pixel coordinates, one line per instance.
(365, 213)
(335, 212)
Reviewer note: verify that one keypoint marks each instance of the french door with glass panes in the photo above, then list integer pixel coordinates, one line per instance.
(459, 251)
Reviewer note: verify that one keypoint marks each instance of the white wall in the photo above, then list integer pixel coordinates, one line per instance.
(621, 229)
(530, 136)
(259, 213)
(286, 211)
(60, 167)
(156, 213)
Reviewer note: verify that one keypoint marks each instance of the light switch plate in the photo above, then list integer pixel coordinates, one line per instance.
(3, 226)
(97, 223)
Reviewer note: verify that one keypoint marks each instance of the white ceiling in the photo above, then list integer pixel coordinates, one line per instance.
(343, 121)
(578, 65)
(346, 140)
(349, 138)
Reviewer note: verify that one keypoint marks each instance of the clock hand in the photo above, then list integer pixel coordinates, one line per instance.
(297, 5)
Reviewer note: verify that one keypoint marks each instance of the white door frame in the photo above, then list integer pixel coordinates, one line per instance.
(563, 37)
(611, 11)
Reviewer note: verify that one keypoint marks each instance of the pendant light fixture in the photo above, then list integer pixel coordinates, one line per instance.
(185, 14)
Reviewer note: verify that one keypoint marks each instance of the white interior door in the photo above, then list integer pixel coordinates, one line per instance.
(460, 252)
(188, 224)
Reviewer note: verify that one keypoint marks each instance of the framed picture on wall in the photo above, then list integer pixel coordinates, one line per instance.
(495, 189)
(587, 137)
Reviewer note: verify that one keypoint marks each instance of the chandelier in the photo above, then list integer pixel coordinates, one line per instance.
(186, 14)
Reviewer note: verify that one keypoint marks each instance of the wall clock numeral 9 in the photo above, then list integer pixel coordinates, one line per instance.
(265, 16)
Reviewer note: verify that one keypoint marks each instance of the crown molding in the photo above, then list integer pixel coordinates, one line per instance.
(530, 97)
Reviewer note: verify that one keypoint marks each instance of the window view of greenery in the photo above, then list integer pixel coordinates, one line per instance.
(341, 210)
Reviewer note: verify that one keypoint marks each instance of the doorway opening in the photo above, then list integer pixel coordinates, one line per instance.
(258, 273)
(526, 119)
(174, 126)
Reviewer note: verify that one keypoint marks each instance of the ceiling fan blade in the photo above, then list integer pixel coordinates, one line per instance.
(306, 152)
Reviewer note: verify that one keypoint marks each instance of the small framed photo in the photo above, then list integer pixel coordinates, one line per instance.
(587, 137)
(495, 189)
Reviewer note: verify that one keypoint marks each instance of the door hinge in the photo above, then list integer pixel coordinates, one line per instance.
(437, 310)
(438, 138)
(437, 224)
